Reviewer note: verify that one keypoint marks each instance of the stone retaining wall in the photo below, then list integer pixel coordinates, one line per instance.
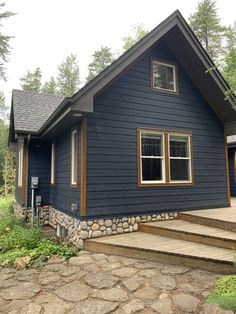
(78, 231)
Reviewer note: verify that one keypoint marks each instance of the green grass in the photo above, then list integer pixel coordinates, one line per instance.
(224, 293)
(6, 205)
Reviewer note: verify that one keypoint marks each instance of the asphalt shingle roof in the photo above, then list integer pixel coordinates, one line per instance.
(31, 110)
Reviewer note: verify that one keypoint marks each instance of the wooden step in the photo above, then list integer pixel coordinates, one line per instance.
(185, 230)
(222, 218)
(164, 249)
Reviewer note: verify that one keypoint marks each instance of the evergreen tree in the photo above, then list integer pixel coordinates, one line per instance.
(9, 173)
(4, 42)
(4, 110)
(229, 70)
(68, 79)
(205, 23)
(139, 31)
(31, 82)
(3, 148)
(100, 60)
(50, 87)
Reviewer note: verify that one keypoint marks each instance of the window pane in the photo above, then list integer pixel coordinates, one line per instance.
(152, 145)
(179, 146)
(163, 76)
(151, 169)
(179, 169)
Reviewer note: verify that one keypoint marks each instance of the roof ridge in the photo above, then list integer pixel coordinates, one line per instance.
(35, 93)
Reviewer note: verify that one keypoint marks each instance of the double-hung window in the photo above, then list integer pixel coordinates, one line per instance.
(179, 158)
(74, 158)
(152, 157)
(20, 166)
(164, 76)
(164, 158)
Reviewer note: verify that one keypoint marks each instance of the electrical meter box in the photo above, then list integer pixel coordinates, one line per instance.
(34, 182)
(38, 200)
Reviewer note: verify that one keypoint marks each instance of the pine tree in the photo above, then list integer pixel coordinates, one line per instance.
(139, 31)
(31, 82)
(205, 23)
(50, 87)
(229, 70)
(4, 42)
(4, 110)
(3, 148)
(100, 60)
(68, 79)
(9, 173)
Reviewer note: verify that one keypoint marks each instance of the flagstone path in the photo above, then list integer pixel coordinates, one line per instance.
(98, 284)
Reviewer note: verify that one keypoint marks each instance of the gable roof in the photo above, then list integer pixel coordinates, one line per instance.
(184, 44)
(31, 110)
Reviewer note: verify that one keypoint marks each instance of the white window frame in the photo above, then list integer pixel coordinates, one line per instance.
(52, 181)
(153, 157)
(20, 166)
(174, 76)
(74, 158)
(189, 158)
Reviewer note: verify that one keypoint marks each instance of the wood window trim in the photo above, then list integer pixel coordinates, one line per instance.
(24, 175)
(74, 184)
(83, 167)
(53, 165)
(166, 134)
(176, 75)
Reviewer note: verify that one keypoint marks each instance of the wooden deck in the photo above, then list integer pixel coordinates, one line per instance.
(203, 239)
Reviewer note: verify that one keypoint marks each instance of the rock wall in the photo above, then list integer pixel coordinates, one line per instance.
(78, 231)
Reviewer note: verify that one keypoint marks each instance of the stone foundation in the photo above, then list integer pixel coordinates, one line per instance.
(78, 231)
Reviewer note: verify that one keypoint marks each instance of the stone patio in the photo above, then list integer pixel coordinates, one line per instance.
(97, 284)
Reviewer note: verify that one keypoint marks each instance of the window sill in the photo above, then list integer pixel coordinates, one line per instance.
(74, 186)
(146, 185)
(164, 91)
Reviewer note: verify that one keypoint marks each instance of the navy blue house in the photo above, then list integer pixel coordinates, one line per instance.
(146, 136)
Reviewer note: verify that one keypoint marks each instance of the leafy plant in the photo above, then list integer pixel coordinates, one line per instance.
(224, 293)
(17, 239)
(6, 205)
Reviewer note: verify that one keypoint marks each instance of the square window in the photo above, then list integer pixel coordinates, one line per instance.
(164, 158)
(164, 76)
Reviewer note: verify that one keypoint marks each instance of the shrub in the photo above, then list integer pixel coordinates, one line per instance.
(224, 293)
(21, 237)
(6, 205)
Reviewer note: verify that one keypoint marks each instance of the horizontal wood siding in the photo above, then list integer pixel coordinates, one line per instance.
(128, 104)
(62, 194)
(39, 166)
(231, 152)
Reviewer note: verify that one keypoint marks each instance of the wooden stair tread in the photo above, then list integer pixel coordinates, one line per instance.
(227, 214)
(193, 228)
(155, 243)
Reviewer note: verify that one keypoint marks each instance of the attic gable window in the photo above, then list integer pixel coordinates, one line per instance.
(164, 76)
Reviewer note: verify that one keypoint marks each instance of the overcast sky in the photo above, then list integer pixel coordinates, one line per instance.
(46, 31)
